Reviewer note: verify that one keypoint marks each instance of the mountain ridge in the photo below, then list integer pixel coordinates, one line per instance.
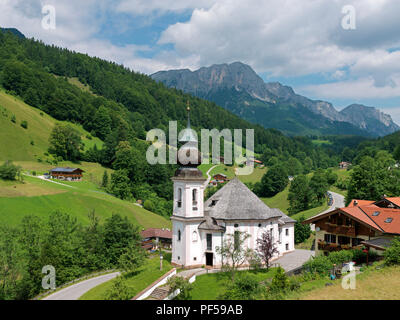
(210, 82)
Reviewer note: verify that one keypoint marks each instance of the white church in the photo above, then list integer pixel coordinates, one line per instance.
(199, 227)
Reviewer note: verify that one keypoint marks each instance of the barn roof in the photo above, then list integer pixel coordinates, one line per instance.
(236, 202)
(156, 233)
(66, 169)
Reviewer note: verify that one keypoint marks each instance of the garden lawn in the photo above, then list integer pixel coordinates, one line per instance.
(210, 286)
(136, 282)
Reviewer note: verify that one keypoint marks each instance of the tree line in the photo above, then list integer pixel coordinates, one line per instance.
(60, 241)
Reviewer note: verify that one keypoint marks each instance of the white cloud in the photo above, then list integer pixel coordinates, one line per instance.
(283, 37)
(362, 88)
(145, 7)
(77, 24)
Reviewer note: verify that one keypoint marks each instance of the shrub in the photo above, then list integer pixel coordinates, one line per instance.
(301, 231)
(24, 124)
(359, 256)
(167, 256)
(320, 264)
(178, 283)
(13, 118)
(392, 254)
(280, 281)
(245, 287)
(8, 171)
(340, 257)
(149, 205)
(118, 290)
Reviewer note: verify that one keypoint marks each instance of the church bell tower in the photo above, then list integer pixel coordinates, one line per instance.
(188, 207)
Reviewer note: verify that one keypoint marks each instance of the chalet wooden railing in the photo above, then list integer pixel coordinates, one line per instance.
(340, 230)
(335, 246)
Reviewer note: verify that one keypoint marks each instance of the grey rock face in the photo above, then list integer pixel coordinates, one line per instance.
(238, 88)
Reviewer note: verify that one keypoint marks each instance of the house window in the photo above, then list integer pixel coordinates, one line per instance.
(236, 225)
(179, 235)
(209, 241)
(287, 232)
(280, 235)
(195, 259)
(343, 240)
(287, 246)
(330, 238)
(179, 197)
(259, 225)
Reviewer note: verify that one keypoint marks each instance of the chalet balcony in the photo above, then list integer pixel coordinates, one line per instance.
(322, 245)
(349, 231)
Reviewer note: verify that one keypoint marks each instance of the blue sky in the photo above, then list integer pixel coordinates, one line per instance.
(304, 46)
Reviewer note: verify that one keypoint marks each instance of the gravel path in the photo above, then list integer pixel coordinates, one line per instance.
(75, 291)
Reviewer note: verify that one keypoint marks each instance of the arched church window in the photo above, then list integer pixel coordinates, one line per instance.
(194, 196)
(179, 197)
(194, 199)
(194, 236)
(179, 235)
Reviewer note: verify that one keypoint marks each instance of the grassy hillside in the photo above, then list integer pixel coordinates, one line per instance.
(29, 144)
(40, 198)
(372, 284)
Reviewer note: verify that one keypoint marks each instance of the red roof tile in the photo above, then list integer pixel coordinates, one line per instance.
(384, 214)
(360, 203)
(395, 200)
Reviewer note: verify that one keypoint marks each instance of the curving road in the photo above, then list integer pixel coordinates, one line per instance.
(338, 202)
(75, 291)
(209, 176)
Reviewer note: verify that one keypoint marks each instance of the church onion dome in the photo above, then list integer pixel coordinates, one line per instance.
(188, 155)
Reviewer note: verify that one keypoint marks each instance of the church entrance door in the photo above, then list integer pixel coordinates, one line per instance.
(209, 259)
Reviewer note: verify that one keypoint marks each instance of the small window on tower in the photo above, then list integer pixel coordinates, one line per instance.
(179, 202)
(179, 235)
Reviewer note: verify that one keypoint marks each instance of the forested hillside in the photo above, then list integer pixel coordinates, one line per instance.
(118, 106)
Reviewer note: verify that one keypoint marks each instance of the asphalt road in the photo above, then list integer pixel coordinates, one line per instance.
(338, 202)
(75, 291)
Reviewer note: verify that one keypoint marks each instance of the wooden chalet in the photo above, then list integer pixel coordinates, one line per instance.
(69, 174)
(152, 238)
(362, 223)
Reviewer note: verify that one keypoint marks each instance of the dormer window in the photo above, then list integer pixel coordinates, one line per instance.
(213, 203)
(389, 220)
(376, 213)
